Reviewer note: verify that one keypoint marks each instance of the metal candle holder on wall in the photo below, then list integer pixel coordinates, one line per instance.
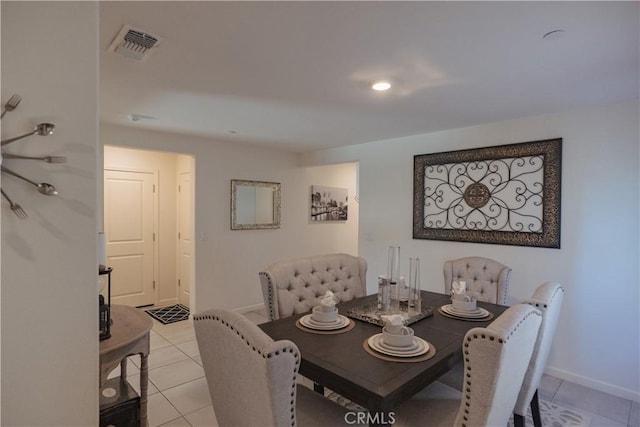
(42, 129)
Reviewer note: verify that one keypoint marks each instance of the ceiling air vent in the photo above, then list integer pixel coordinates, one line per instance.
(134, 43)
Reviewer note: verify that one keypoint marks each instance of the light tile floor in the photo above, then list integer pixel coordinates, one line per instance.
(178, 393)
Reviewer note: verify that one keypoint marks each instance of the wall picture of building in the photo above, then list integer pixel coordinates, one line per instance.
(329, 203)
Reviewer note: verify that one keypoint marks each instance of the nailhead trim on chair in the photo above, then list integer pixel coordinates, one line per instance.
(506, 287)
(284, 350)
(555, 292)
(271, 308)
(264, 355)
(490, 335)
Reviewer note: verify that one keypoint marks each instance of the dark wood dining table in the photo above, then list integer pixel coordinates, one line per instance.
(340, 362)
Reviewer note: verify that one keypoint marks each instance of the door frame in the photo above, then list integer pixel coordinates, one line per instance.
(191, 216)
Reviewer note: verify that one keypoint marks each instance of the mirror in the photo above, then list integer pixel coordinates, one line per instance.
(254, 205)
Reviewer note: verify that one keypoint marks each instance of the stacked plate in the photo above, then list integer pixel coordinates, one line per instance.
(418, 348)
(478, 313)
(308, 322)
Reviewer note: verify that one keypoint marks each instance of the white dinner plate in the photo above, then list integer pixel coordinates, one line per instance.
(476, 314)
(412, 347)
(375, 343)
(308, 322)
(479, 313)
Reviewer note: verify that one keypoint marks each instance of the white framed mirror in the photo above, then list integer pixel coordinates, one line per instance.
(254, 205)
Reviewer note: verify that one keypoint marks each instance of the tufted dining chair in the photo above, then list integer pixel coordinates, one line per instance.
(495, 362)
(487, 280)
(252, 378)
(296, 285)
(548, 299)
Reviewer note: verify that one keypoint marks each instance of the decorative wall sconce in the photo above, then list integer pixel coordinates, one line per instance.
(42, 129)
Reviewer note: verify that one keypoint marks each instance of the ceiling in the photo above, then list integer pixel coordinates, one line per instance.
(296, 75)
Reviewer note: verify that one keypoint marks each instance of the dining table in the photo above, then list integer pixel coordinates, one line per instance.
(341, 362)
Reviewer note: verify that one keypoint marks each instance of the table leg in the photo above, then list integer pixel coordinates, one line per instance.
(123, 369)
(144, 382)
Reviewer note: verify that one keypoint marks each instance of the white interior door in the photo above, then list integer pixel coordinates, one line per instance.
(129, 226)
(185, 237)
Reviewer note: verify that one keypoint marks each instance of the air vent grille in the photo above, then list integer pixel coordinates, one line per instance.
(140, 40)
(134, 43)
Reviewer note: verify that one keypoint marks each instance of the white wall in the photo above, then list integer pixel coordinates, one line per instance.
(228, 261)
(165, 165)
(49, 262)
(597, 341)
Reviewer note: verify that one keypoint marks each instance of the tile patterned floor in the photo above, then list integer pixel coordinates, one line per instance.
(178, 393)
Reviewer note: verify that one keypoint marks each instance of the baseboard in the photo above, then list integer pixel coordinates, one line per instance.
(249, 308)
(595, 384)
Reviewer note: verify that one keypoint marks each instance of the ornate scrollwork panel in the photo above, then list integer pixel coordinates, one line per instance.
(508, 194)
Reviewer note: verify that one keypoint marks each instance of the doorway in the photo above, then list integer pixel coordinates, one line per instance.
(148, 225)
(130, 207)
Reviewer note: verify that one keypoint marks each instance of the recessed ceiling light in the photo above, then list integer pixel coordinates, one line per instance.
(381, 85)
(554, 35)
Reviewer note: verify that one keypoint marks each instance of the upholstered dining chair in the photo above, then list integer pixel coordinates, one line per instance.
(495, 361)
(252, 378)
(296, 285)
(487, 280)
(548, 299)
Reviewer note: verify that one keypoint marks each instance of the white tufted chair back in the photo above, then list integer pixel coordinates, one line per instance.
(548, 299)
(487, 280)
(251, 378)
(297, 285)
(495, 361)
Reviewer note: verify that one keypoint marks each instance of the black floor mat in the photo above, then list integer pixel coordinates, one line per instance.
(170, 314)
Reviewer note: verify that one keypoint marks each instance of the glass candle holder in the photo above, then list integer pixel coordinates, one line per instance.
(393, 271)
(415, 288)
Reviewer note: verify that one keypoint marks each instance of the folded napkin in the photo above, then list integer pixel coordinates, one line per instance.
(392, 319)
(459, 288)
(329, 299)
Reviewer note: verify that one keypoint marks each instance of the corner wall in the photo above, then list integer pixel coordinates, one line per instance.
(596, 342)
(49, 261)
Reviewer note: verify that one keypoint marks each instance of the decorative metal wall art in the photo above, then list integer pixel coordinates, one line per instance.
(505, 194)
(42, 129)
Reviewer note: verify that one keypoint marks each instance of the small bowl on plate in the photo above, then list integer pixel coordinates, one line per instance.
(463, 305)
(325, 314)
(397, 336)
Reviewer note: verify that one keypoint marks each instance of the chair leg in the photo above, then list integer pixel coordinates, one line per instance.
(535, 410)
(518, 420)
(318, 388)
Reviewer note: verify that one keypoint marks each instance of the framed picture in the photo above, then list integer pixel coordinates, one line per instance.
(505, 194)
(255, 205)
(329, 203)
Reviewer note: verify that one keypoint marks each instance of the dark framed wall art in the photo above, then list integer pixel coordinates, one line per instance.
(505, 194)
(329, 203)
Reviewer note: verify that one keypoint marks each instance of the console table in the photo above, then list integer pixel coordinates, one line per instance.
(129, 336)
